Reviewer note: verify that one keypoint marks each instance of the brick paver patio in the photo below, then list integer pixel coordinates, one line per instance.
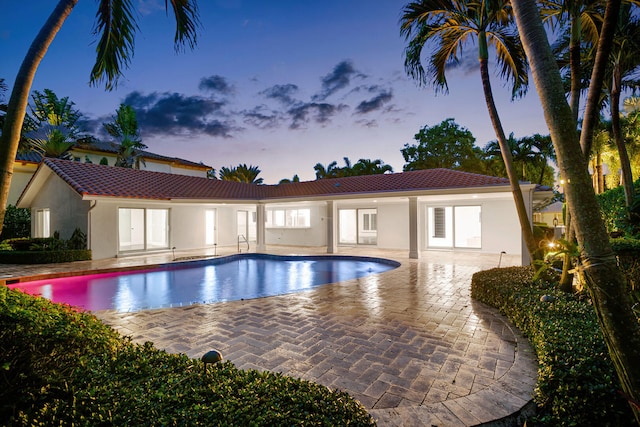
(409, 344)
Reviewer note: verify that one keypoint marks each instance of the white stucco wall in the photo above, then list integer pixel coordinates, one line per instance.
(315, 235)
(393, 226)
(20, 179)
(501, 227)
(67, 210)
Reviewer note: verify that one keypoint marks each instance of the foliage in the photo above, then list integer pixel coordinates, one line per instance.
(445, 145)
(628, 255)
(124, 128)
(360, 168)
(241, 173)
(45, 250)
(17, 223)
(62, 367)
(577, 382)
(615, 214)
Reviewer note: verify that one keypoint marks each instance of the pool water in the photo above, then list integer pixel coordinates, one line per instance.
(237, 277)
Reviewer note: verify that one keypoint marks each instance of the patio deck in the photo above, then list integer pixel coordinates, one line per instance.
(409, 344)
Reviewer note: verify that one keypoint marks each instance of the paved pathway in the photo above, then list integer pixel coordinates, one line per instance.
(409, 344)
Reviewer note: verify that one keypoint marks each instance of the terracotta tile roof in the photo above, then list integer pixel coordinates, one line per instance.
(97, 180)
(111, 148)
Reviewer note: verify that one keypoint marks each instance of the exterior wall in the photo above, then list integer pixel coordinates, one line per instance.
(315, 235)
(21, 176)
(501, 227)
(393, 226)
(67, 210)
(186, 225)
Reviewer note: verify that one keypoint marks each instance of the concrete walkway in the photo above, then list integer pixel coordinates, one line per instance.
(409, 344)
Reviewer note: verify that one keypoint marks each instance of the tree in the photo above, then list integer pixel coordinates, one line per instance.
(530, 153)
(295, 178)
(449, 24)
(124, 127)
(445, 145)
(597, 264)
(241, 173)
(51, 127)
(371, 167)
(116, 27)
(330, 171)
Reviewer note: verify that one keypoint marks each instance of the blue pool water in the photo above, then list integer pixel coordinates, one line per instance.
(236, 277)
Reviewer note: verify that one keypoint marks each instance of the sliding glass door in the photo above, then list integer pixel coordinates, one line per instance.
(142, 229)
(358, 226)
(454, 227)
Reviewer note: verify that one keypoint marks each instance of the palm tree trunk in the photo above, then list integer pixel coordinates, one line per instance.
(625, 164)
(523, 215)
(574, 60)
(17, 107)
(603, 279)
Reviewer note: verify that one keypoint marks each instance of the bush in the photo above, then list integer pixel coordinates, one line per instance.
(577, 382)
(17, 223)
(62, 367)
(615, 214)
(44, 257)
(45, 250)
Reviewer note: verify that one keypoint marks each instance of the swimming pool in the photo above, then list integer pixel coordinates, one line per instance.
(236, 277)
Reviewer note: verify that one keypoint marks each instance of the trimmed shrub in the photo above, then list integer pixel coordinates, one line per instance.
(577, 383)
(17, 223)
(44, 257)
(63, 367)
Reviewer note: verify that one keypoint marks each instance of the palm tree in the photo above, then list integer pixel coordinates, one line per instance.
(116, 27)
(330, 171)
(295, 178)
(448, 24)
(51, 128)
(241, 173)
(584, 17)
(603, 279)
(371, 167)
(124, 127)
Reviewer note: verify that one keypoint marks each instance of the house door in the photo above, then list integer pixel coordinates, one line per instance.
(243, 225)
(210, 227)
(358, 226)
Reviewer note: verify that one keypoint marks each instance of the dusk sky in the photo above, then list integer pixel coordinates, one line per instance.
(281, 85)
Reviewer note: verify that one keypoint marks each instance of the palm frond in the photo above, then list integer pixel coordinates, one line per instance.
(187, 23)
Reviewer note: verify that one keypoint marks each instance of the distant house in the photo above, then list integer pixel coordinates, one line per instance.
(27, 163)
(127, 211)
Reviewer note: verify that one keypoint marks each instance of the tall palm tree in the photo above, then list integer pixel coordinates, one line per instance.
(603, 279)
(124, 128)
(584, 17)
(449, 24)
(116, 27)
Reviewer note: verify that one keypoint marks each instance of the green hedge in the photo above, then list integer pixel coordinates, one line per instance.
(63, 367)
(577, 384)
(44, 257)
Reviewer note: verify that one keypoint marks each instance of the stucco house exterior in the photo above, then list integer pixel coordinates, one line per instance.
(128, 211)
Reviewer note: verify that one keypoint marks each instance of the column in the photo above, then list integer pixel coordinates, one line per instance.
(260, 231)
(332, 235)
(414, 229)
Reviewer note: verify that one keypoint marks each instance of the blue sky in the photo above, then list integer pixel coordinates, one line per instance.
(281, 85)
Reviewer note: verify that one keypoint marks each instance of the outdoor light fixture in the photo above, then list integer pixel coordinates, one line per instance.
(213, 356)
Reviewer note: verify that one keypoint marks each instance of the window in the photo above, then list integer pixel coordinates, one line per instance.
(143, 229)
(439, 223)
(42, 223)
(289, 218)
(358, 226)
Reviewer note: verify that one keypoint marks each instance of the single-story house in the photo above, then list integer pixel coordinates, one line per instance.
(128, 211)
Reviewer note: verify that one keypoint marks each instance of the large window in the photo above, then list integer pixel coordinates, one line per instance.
(454, 226)
(42, 223)
(143, 229)
(289, 218)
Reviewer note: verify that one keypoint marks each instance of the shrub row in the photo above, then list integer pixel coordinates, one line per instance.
(63, 367)
(577, 383)
(44, 257)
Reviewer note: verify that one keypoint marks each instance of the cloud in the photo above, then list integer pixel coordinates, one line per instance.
(318, 112)
(178, 114)
(262, 117)
(337, 79)
(382, 97)
(282, 93)
(216, 84)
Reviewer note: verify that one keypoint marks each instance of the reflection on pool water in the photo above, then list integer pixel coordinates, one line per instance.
(236, 277)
